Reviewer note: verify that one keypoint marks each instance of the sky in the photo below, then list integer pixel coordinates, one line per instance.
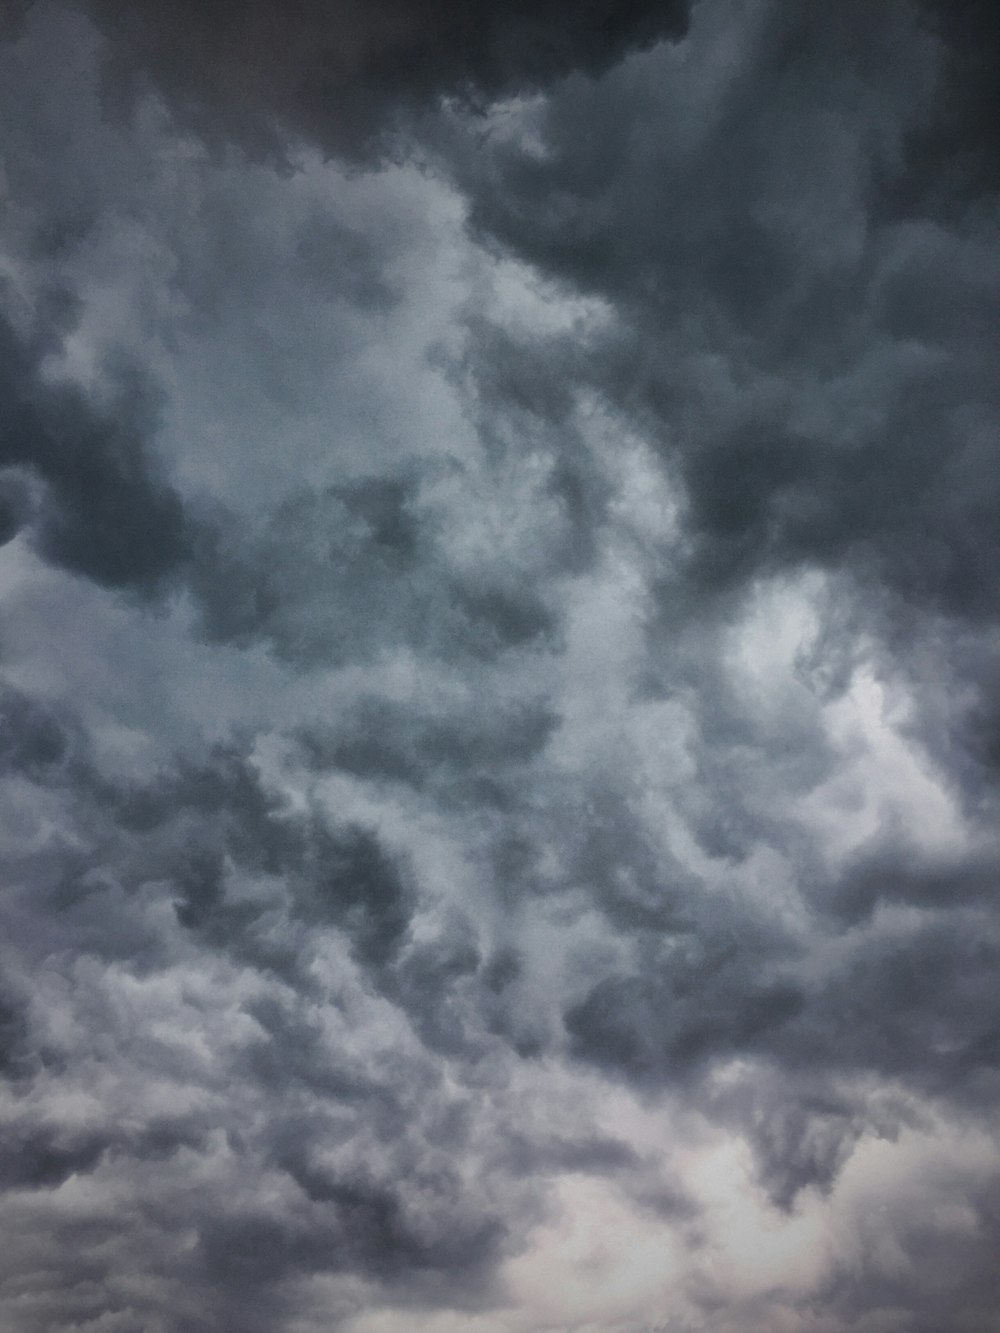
(499, 666)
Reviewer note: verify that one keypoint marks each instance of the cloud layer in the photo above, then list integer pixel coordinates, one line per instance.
(499, 715)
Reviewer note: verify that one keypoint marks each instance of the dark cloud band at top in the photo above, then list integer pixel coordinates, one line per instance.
(339, 73)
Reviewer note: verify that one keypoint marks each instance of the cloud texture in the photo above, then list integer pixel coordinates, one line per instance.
(499, 693)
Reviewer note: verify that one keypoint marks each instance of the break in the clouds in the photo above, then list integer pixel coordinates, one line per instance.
(499, 694)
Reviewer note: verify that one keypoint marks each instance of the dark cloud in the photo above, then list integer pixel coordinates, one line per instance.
(339, 575)
(35, 738)
(103, 511)
(621, 1022)
(821, 383)
(228, 826)
(534, 807)
(953, 156)
(890, 873)
(274, 891)
(465, 750)
(341, 73)
(912, 1004)
(944, 1281)
(930, 994)
(15, 1035)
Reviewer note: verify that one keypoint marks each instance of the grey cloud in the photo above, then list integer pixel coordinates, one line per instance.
(340, 74)
(104, 512)
(465, 749)
(116, 214)
(919, 1005)
(39, 1157)
(391, 1210)
(952, 158)
(911, 1004)
(342, 574)
(35, 738)
(816, 413)
(621, 1021)
(580, 649)
(195, 834)
(339, 878)
(889, 873)
(16, 1050)
(944, 1281)
(802, 1141)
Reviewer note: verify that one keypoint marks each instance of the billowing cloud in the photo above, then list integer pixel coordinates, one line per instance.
(341, 73)
(498, 678)
(78, 474)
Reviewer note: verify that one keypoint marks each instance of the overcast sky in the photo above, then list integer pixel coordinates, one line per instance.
(499, 666)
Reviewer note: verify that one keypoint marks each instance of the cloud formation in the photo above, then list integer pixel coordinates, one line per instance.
(341, 73)
(498, 668)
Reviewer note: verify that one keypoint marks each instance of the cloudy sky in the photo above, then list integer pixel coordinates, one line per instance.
(499, 666)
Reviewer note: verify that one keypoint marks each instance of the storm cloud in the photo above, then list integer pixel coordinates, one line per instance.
(499, 696)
